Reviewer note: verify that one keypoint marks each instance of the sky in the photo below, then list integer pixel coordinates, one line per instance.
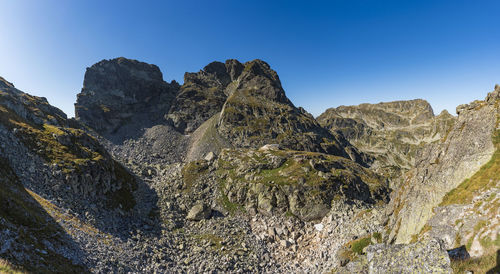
(327, 53)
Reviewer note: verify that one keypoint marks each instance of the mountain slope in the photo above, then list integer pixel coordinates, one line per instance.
(442, 166)
(393, 132)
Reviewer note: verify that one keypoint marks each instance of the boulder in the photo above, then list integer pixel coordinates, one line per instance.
(421, 257)
(210, 156)
(199, 212)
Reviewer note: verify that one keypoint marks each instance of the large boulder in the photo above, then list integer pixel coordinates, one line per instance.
(199, 212)
(421, 257)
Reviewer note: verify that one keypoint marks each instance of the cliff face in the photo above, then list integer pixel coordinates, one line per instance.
(202, 95)
(393, 132)
(123, 92)
(444, 165)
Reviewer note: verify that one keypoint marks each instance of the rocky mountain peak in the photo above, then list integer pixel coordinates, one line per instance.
(234, 68)
(123, 91)
(494, 95)
(117, 73)
(259, 79)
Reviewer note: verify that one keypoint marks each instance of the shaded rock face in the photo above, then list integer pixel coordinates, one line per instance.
(52, 154)
(303, 184)
(202, 95)
(123, 91)
(422, 257)
(24, 224)
(392, 132)
(442, 166)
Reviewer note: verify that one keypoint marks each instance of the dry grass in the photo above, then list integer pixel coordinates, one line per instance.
(7, 268)
(488, 263)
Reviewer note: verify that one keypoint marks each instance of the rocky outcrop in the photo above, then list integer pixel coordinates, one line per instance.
(125, 93)
(392, 132)
(122, 97)
(444, 165)
(202, 95)
(302, 184)
(422, 257)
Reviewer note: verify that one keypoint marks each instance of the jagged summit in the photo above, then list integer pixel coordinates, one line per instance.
(122, 96)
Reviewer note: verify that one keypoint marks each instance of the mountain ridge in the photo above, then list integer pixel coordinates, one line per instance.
(224, 173)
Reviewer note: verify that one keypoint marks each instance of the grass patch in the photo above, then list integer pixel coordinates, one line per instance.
(425, 228)
(358, 245)
(484, 179)
(354, 248)
(214, 240)
(483, 264)
(191, 172)
(229, 206)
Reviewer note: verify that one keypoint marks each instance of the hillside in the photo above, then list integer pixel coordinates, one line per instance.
(225, 174)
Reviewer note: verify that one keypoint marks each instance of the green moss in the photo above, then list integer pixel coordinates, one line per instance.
(229, 206)
(7, 268)
(354, 248)
(192, 171)
(105, 108)
(358, 245)
(377, 236)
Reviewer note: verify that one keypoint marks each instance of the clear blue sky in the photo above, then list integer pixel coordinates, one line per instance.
(327, 53)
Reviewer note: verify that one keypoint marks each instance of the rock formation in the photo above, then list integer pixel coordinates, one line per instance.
(123, 92)
(257, 112)
(297, 183)
(443, 165)
(393, 132)
(202, 95)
